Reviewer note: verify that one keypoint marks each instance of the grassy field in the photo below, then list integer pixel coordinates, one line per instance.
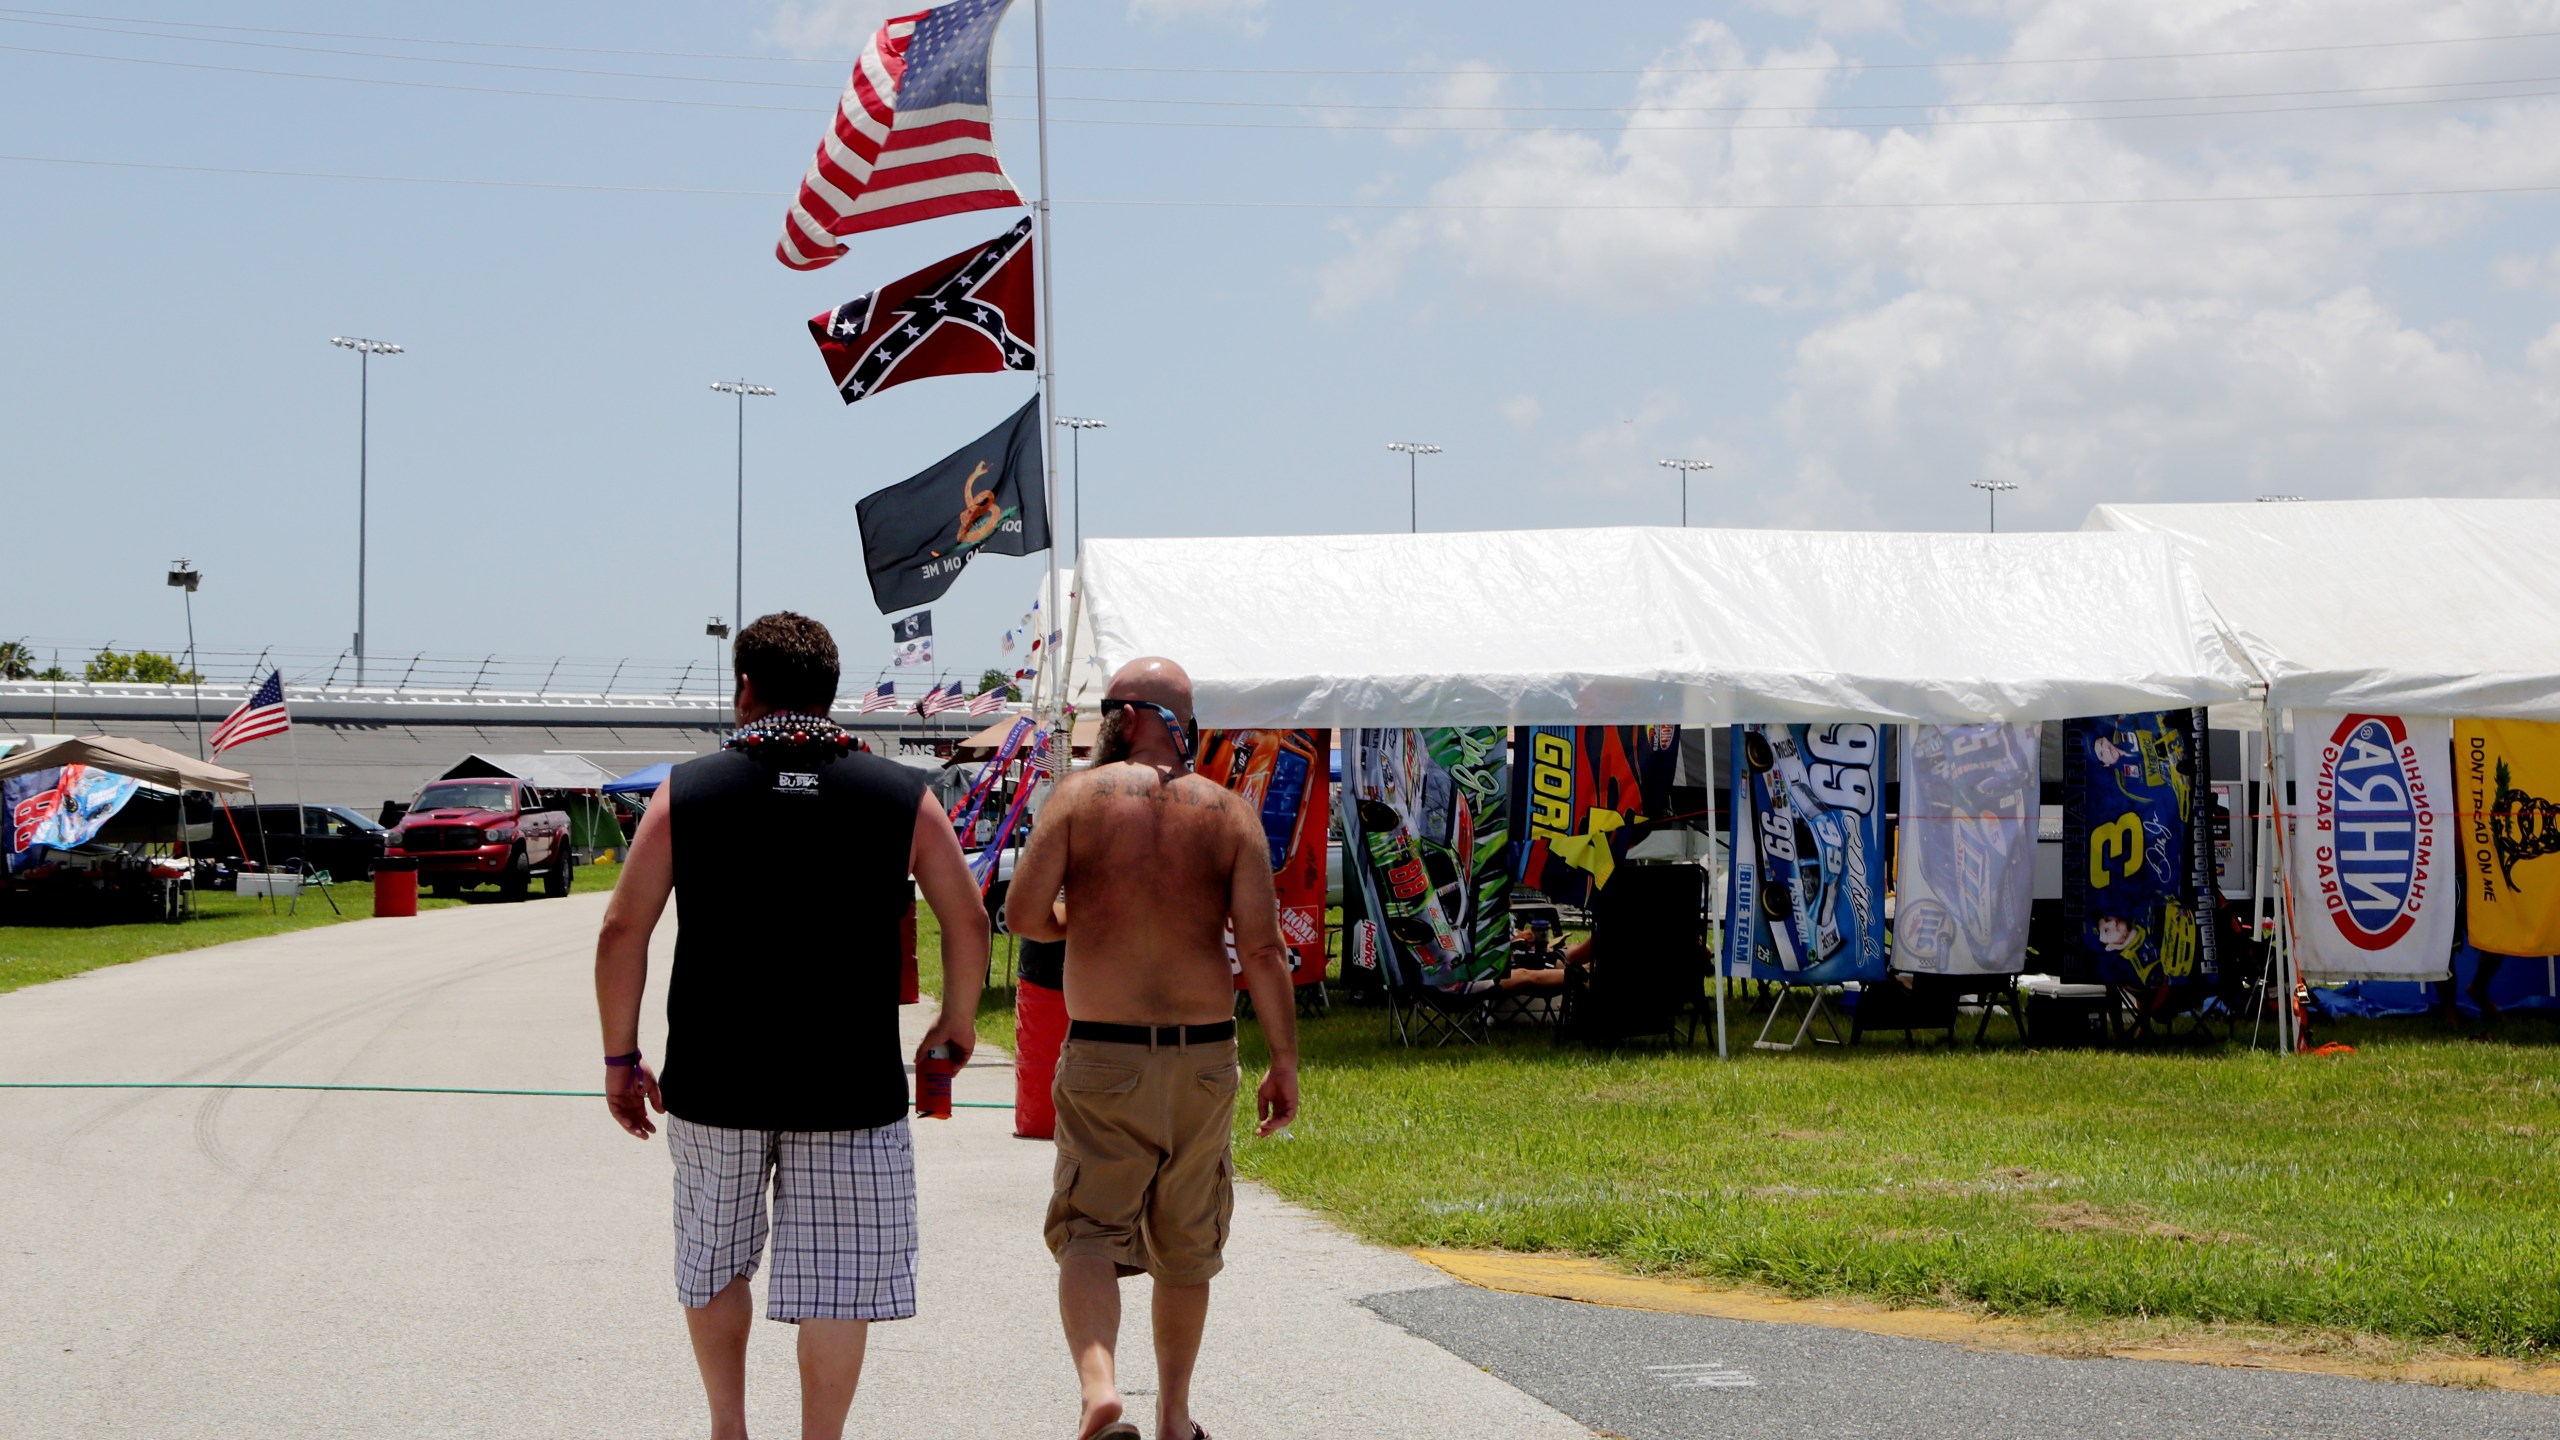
(33, 954)
(2409, 1191)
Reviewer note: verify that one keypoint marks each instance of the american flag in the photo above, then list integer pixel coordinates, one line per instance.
(258, 717)
(883, 698)
(989, 703)
(942, 698)
(910, 139)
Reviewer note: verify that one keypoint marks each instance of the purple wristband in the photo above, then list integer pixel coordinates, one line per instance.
(632, 1059)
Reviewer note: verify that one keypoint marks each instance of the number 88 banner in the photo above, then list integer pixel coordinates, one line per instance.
(1806, 905)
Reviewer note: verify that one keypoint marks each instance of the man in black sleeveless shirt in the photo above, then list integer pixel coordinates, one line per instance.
(789, 854)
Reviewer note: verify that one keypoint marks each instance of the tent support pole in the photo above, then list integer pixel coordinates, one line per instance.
(1722, 1052)
(2280, 754)
(2262, 821)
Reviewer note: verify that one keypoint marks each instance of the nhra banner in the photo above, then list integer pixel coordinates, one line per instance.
(61, 807)
(1967, 862)
(2510, 800)
(1578, 793)
(2135, 865)
(2374, 892)
(1282, 774)
(1806, 906)
(1410, 813)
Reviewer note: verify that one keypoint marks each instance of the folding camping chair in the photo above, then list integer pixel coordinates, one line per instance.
(1648, 969)
(1419, 1014)
(1910, 1003)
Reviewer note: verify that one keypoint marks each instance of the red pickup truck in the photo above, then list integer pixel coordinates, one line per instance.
(473, 832)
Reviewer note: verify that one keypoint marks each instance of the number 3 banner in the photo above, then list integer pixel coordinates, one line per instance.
(2131, 858)
(1806, 905)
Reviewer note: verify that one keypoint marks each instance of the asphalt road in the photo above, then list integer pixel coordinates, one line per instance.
(1650, 1376)
(238, 1263)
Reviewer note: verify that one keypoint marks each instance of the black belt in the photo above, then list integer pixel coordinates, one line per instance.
(1151, 1034)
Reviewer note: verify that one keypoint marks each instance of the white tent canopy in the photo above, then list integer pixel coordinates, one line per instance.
(1627, 626)
(2397, 607)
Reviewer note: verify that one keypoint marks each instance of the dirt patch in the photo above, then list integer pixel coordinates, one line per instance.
(2079, 1217)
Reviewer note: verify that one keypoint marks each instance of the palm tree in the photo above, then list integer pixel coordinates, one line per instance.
(17, 662)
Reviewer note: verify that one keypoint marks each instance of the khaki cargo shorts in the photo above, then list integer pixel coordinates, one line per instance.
(1146, 1169)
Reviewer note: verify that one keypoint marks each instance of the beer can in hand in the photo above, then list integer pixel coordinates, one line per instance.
(933, 1081)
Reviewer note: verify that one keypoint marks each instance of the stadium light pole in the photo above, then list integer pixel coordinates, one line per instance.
(718, 632)
(1992, 488)
(742, 390)
(1686, 469)
(1413, 451)
(365, 351)
(1076, 426)
(185, 577)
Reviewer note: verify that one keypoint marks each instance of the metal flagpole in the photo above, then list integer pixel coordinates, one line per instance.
(1048, 363)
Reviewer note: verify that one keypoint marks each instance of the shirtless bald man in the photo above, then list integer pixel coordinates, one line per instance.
(1142, 867)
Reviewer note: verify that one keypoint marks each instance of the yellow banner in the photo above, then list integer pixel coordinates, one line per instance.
(2508, 773)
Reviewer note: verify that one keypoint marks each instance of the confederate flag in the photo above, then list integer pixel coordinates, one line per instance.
(961, 316)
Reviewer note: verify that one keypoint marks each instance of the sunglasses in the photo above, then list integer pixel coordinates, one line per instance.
(1113, 705)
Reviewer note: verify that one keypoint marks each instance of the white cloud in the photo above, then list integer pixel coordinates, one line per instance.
(834, 28)
(1245, 15)
(2530, 272)
(2091, 350)
(1522, 411)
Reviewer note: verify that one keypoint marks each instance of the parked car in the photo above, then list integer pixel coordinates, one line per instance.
(481, 832)
(316, 837)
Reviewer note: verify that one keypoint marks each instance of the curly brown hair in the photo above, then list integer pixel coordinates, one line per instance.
(792, 660)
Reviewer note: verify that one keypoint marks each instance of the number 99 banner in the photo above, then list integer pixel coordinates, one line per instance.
(1806, 905)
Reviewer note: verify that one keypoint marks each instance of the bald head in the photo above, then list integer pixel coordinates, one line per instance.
(1154, 678)
(1140, 734)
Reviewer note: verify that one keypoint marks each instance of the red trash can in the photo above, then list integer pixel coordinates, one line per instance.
(395, 886)
(1039, 1032)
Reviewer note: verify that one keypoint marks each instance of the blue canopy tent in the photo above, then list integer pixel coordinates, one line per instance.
(643, 781)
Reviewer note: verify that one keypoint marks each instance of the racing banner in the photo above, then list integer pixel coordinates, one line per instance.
(60, 807)
(1967, 859)
(1410, 801)
(2374, 889)
(2135, 867)
(2510, 799)
(1578, 794)
(1282, 775)
(1806, 904)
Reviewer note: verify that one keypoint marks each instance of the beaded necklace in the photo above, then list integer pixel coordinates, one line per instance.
(786, 730)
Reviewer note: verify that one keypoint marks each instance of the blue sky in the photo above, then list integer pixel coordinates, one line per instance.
(551, 475)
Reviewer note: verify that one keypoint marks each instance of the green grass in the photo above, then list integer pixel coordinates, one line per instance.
(2411, 1190)
(33, 954)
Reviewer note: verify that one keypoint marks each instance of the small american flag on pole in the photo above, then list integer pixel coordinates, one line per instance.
(258, 717)
(883, 698)
(910, 138)
(989, 703)
(948, 698)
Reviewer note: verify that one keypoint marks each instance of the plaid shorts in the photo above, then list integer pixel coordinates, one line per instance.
(844, 1227)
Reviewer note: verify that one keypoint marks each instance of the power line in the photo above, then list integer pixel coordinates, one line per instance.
(1861, 65)
(2450, 192)
(1328, 126)
(1187, 102)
